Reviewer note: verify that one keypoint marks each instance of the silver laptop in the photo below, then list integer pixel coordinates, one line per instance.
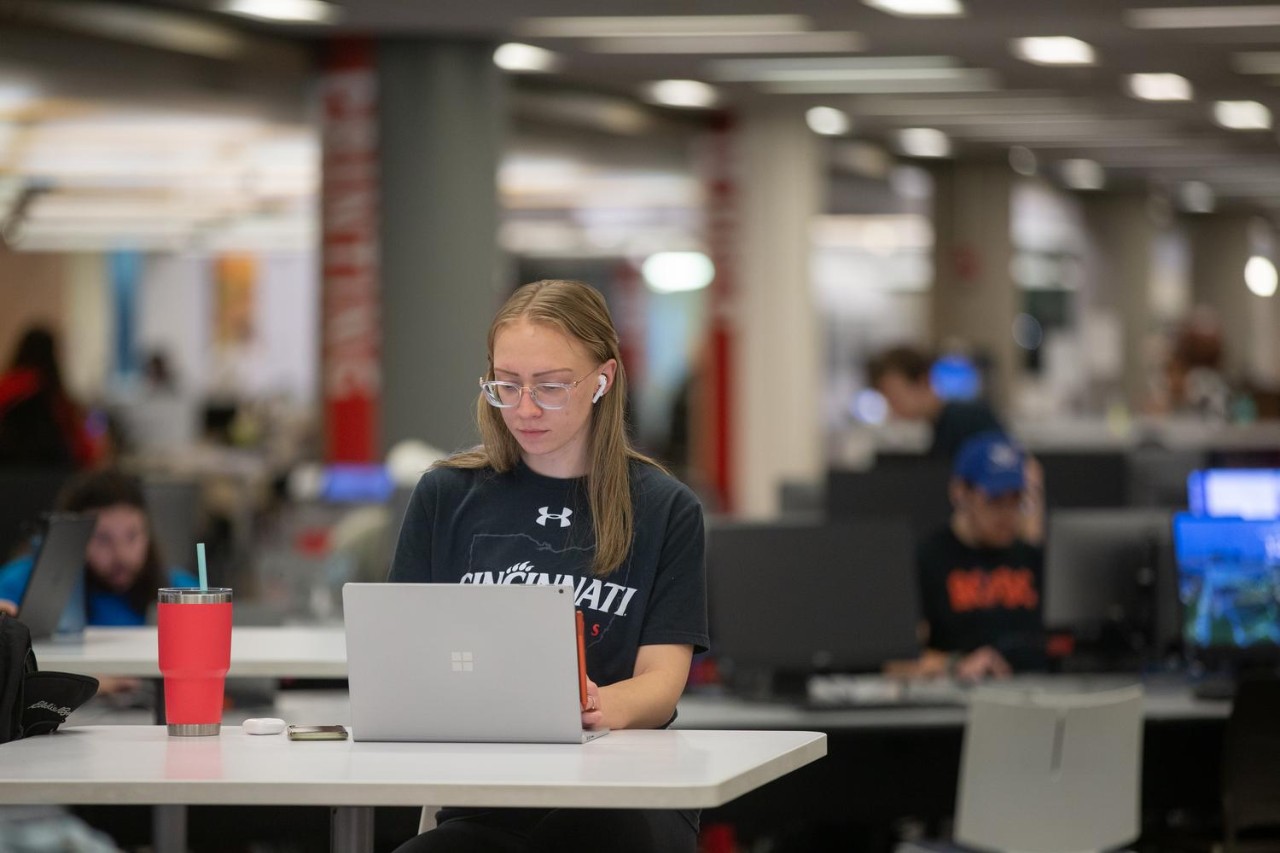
(463, 663)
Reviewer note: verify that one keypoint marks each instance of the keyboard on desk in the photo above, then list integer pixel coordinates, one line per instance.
(877, 691)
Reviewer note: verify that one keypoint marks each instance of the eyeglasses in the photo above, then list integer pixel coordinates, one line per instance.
(545, 395)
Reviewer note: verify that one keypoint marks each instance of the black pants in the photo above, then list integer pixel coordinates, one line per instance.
(560, 830)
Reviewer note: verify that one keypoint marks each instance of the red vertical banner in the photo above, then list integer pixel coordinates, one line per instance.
(722, 226)
(351, 321)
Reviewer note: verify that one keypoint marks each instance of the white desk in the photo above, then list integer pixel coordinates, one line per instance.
(288, 652)
(96, 765)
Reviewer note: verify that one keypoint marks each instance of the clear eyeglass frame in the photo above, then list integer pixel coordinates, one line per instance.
(545, 395)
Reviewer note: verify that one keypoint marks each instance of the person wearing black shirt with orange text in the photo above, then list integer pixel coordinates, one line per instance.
(980, 577)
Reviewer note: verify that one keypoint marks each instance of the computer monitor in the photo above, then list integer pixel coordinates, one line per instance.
(356, 483)
(1085, 479)
(804, 598)
(1235, 493)
(1229, 587)
(956, 377)
(915, 488)
(1109, 580)
(1158, 476)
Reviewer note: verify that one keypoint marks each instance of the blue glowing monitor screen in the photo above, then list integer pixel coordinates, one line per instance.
(955, 378)
(1228, 581)
(350, 483)
(1235, 492)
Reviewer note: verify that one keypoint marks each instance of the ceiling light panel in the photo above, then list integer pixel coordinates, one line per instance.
(1242, 115)
(1053, 50)
(923, 142)
(688, 94)
(1159, 87)
(284, 11)
(919, 8)
(660, 25)
(828, 121)
(525, 59)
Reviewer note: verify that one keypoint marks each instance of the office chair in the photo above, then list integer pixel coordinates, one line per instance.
(1045, 772)
(1251, 764)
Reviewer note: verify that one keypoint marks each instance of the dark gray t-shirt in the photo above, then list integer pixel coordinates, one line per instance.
(478, 526)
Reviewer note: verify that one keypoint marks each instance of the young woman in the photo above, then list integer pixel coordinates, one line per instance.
(556, 494)
(122, 566)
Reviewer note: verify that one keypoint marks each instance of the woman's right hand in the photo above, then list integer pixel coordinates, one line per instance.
(8, 607)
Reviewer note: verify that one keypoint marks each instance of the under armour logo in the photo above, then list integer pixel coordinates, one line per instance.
(544, 513)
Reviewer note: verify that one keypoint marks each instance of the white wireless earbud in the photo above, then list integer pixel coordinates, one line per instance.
(601, 384)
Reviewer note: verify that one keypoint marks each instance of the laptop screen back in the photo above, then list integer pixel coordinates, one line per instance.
(59, 566)
(444, 662)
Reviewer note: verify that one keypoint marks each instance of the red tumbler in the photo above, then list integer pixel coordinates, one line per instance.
(195, 654)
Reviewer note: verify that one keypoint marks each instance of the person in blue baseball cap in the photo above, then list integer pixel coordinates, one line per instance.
(980, 577)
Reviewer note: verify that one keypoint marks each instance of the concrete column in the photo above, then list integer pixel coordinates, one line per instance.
(1220, 247)
(777, 367)
(440, 121)
(1122, 236)
(975, 299)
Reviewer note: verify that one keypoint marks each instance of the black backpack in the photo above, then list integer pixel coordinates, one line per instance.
(34, 702)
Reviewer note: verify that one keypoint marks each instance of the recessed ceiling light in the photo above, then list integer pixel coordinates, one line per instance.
(1053, 50)
(607, 26)
(689, 94)
(919, 8)
(828, 121)
(1260, 276)
(291, 11)
(1159, 87)
(525, 58)
(1242, 115)
(923, 142)
(1200, 17)
(1196, 197)
(1083, 174)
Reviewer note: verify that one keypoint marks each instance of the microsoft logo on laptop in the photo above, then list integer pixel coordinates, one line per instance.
(462, 661)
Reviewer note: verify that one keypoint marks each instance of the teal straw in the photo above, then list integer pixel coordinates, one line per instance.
(204, 572)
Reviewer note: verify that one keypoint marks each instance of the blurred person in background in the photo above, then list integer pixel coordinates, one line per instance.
(40, 425)
(1193, 380)
(980, 578)
(123, 568)
(901, 375)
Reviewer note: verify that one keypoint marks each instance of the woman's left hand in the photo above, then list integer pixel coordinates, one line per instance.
(593, 717)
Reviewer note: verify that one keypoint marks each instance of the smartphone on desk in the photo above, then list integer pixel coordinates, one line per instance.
(317, 732)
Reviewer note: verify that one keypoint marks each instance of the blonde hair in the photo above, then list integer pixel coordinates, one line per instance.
(579, 311)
